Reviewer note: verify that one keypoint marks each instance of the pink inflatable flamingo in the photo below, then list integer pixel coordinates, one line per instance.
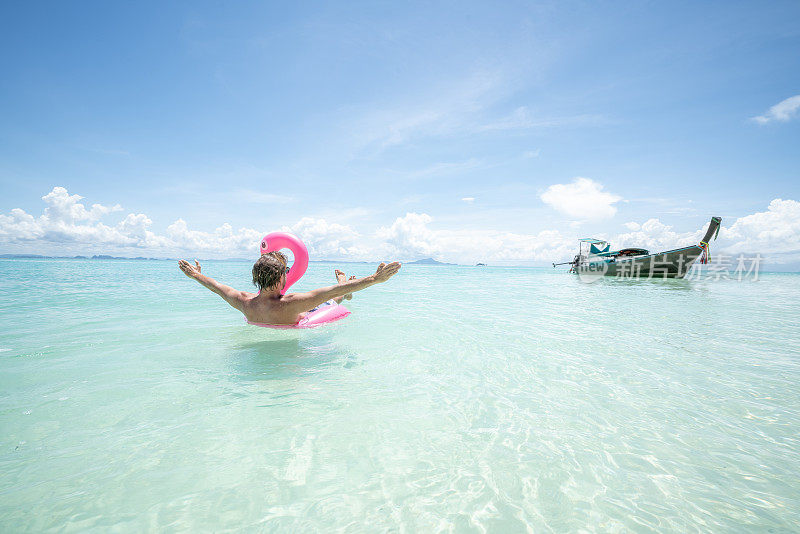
(326, 314)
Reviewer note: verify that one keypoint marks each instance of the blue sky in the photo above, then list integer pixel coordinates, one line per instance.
(406, 129)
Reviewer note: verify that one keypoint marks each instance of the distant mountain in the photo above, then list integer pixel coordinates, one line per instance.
(106, 257)
(21, 256)
(429, 261)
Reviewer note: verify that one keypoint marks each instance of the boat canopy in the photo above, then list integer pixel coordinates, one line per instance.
(596, 246)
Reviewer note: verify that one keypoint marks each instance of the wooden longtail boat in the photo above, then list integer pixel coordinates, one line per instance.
(595, 259)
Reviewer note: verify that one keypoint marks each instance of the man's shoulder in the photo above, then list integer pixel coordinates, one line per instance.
(288, 298)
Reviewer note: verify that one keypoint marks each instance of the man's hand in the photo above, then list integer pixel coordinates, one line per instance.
(385, 272)
(192, 271)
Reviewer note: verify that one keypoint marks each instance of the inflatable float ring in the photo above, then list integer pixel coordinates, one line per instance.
(322, 315)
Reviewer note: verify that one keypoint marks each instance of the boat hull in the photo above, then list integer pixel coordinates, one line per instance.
(669, 264)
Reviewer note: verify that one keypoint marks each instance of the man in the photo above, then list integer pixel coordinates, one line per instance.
(268, 306)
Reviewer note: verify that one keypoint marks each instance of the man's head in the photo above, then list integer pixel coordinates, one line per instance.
(269, 272)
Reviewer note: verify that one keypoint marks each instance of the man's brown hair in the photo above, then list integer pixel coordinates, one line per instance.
(268, 270)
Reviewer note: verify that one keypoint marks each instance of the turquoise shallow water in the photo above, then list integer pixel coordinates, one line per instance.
(454, 398)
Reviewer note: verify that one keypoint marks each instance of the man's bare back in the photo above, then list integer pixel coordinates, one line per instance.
(270, 307)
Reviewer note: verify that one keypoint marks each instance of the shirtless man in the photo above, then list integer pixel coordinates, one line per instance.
(268, 306)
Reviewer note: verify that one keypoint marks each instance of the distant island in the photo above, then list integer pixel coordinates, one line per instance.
(425, 261)
(429, 261)
(97, 257)
(107, 257)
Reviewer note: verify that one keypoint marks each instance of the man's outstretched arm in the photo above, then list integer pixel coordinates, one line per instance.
(231, 296)
(306, 301)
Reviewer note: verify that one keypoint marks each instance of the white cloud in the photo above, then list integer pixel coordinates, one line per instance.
(783, 111)
(67, 222)
(63, 207)
(66, 226)
(655, 236)
(411, 237)
(135, 225)
(326, 240)
(65, 219)
(19, 226)
(223, 240)
(583, 198)
(468, 200)
(775, 231)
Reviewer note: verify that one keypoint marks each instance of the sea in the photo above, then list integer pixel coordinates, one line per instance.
(453, 399)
